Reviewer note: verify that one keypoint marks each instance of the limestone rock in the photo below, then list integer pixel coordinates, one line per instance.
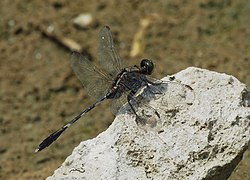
(201, 139)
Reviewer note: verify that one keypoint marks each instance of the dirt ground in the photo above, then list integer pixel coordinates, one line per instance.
(39, 91)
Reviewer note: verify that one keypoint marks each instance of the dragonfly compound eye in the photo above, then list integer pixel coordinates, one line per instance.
(147, 66)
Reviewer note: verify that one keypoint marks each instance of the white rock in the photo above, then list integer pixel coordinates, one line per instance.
(83, 20)
(202, 140)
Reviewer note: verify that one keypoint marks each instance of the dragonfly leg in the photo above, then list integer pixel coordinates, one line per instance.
(138, 119)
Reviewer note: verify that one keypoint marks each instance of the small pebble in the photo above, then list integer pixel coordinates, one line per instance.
(83, 20)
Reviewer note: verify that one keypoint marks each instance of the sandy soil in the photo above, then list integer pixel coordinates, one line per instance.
(39, 92)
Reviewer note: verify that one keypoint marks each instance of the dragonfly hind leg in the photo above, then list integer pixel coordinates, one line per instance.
(138, 119)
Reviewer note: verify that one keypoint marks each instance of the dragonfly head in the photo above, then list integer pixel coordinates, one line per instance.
(147, 66)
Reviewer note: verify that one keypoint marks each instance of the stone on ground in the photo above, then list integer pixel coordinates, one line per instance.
(195, 134)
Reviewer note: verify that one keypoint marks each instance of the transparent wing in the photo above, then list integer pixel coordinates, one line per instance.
(118, 103)
(177, 94)
(148, 118)
(174, 92)
(94, 81)
(108, 56)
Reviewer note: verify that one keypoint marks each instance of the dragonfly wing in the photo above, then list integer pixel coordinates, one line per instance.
(119, 104)
(174, 92)
(108, 56)
(177, 93)
(93, 79)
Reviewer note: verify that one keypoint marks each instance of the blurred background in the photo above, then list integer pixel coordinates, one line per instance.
(39, 91)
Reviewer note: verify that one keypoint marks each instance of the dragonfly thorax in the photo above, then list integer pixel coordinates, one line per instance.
(130, 79)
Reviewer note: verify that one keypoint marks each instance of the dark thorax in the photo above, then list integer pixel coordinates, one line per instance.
(129, 79)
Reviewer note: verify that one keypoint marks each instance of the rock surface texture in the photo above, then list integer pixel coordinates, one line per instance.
(196, 134)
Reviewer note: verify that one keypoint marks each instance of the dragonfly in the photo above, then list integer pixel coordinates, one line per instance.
(112, 81)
